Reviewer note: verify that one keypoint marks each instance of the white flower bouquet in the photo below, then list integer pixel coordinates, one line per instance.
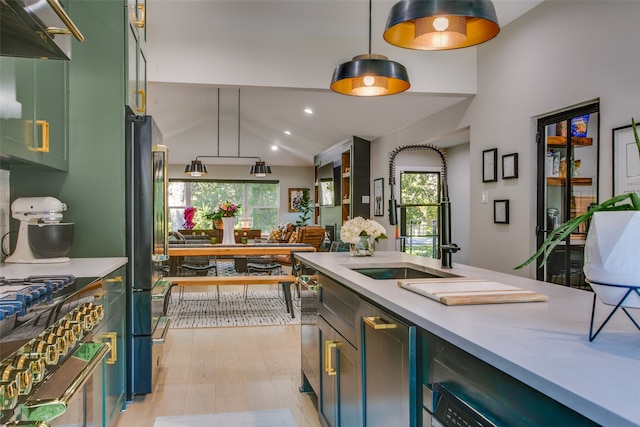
(353, 229)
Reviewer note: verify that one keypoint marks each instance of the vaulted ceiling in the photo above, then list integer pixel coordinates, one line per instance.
(274, 59)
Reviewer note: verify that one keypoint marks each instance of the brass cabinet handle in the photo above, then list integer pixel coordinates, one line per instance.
(140, 22)
(113, 339)
(72, 29)
(44, 140)
(143, 98)
(378, 323)
(328, 365)
(115, 279)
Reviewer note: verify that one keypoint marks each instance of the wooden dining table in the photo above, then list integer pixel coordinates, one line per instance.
(249, 249)
(234, 251)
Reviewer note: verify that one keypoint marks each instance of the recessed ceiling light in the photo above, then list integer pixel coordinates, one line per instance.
(274, 148)
(286, 132)
(308, 110)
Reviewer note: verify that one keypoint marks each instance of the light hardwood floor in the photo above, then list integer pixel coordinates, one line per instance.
(214, 370)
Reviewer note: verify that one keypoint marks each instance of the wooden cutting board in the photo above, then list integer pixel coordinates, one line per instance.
(457, 291)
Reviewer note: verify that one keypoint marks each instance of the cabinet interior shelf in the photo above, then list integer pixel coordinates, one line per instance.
(561, 181)
(559, 141)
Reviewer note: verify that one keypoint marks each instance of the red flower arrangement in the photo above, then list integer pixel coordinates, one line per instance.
(189, 213)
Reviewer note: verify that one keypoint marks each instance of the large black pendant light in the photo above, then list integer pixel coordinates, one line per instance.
(441, 24)
(370, 75)
(197, 168)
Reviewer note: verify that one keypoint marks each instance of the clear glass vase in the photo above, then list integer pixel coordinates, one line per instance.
(363, 248)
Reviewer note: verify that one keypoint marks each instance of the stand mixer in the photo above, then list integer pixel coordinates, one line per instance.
(50, 240)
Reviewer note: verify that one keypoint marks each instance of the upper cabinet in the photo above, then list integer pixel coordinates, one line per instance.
(136, 90)
(34, 115)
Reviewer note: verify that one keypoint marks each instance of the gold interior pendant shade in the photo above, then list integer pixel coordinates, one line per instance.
(370, 74)
(441, 24)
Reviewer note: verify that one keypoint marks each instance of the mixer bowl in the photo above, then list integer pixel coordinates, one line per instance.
(51, 240)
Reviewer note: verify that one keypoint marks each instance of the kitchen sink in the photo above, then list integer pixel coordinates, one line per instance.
(401, 271)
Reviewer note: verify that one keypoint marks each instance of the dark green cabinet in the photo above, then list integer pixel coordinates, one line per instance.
(113, 383)
(34, 121)
(339, 403)
(389, 381)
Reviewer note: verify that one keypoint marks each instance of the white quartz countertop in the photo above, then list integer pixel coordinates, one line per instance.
(78, 267)
(543, 344)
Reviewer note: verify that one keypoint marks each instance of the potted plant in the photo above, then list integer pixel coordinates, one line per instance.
(305, 208)
(216, 217)
(611, 247)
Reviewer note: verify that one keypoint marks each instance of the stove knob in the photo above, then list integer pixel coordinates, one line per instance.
(77, 330)
(59, 343)
(21, 377)
(37, 352)
(100, 310)
(63, 343)
(50, 353)
(70, 337)
(8, 395)
(38, 367)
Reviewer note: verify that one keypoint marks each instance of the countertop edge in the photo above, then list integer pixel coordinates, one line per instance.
(78, 267)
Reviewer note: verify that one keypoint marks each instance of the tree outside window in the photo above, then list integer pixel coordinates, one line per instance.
(420, 212)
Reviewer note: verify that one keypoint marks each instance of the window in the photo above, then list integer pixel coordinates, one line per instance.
(259, 200)
(420, 212)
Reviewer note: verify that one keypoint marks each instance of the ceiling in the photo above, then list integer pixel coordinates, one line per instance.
(195, 47)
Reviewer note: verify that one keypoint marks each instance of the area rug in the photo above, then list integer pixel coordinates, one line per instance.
(202, 310)
(272, 418)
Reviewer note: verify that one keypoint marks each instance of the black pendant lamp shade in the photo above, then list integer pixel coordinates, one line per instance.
(260, 169)
(196, 168)
(441, 24)
(370, 75)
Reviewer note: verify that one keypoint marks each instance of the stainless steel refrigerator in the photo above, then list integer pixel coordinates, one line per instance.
(147, 249)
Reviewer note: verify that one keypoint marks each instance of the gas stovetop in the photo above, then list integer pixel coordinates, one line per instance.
(30, 305)
(44, 320)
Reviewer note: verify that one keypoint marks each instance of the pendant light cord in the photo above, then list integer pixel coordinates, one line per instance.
(370, 6)
(218, 121)
(238, 122)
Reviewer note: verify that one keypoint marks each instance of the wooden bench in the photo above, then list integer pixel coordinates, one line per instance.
(285, 279)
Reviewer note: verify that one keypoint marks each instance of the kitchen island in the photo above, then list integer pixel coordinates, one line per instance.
(543, 345)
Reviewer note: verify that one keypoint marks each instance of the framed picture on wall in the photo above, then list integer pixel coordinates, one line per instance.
(295, 197)
(510, 166)
(490, 165)
(378, 197)
(626, 161)
(501, 211)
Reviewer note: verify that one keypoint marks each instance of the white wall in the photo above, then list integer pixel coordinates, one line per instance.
(560, 54)
(288, 177)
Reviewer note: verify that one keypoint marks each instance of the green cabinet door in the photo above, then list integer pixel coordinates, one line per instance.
(34, 117)
(18, 109)
(52, 112)
(113, 331)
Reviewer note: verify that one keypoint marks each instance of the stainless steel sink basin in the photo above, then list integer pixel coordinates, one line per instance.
(400, 271)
